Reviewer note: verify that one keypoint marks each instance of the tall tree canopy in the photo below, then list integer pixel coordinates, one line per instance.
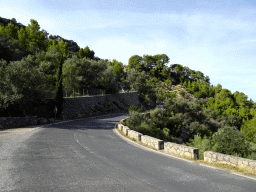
(86, 52)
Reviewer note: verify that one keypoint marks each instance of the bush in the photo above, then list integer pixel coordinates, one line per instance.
(134, 108)
(186, 96)
(203, 144)
(134, 120)
(166, 133)
(230, 141)
(182, 93)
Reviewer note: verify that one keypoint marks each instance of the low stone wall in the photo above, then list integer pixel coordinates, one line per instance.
(120, 127)
(190, 152)
(153, 142)
(123, 120)
(134, 134)
(248, 164)
(125, 130)
(12, 122)
(181, 150)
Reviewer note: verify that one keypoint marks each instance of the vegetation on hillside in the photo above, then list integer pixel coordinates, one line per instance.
(32, 67)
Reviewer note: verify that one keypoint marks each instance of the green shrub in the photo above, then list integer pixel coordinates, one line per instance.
(134, 120)
(166, 133)
(134, 108)
(182, 93)
(203, 144)
(230, 141)
(186, 96)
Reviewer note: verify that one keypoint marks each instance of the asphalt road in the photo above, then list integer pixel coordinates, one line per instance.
(90, 156)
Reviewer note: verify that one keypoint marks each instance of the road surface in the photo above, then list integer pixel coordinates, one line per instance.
(89, 155)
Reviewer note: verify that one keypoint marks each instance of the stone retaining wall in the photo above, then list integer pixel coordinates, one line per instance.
(79, 107)
(153, 142)
(134, 134)
(125, 130)
(99, 104)
(12, 122)
(248, 164)
(181, 150)
(120, 127)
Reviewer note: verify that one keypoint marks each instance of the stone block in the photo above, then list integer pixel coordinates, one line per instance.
(220, 157)
(233, 160)
(226, 157)
(125, 130)
(252, 164)
(209, 155)
(173, 151)
(245, 162)
(187, 154)
(153, 142)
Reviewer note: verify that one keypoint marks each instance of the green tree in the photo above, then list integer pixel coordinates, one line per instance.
(230, 141)
(62, 50)
(223, 101)
(14, 20)
(108, 80)
(21, 83)
(10, 31)
(72, 77)
(86, 52)
(35, 38)
(148, 62)
(248, 128)
(60, 47)
(135, 62)
(218, 88)
(118, 68)
(58, 97)
(81, 53)
(22, 36)
(161, 60)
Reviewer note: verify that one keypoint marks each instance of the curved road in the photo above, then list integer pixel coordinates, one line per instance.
(89, 155)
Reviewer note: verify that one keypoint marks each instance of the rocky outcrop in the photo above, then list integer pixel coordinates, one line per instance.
(70, 43)
(6, 21)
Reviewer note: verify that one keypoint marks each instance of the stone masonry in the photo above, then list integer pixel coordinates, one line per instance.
(248, 164)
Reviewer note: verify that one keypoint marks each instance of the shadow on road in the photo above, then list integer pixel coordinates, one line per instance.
(96, 122)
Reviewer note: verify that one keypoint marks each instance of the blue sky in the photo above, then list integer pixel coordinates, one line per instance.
(216, 37)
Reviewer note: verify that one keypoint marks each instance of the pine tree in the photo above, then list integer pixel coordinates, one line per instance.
(22, 35)
(58, 97)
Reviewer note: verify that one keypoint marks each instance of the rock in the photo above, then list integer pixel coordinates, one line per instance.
(6, 21)
(70, 43)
